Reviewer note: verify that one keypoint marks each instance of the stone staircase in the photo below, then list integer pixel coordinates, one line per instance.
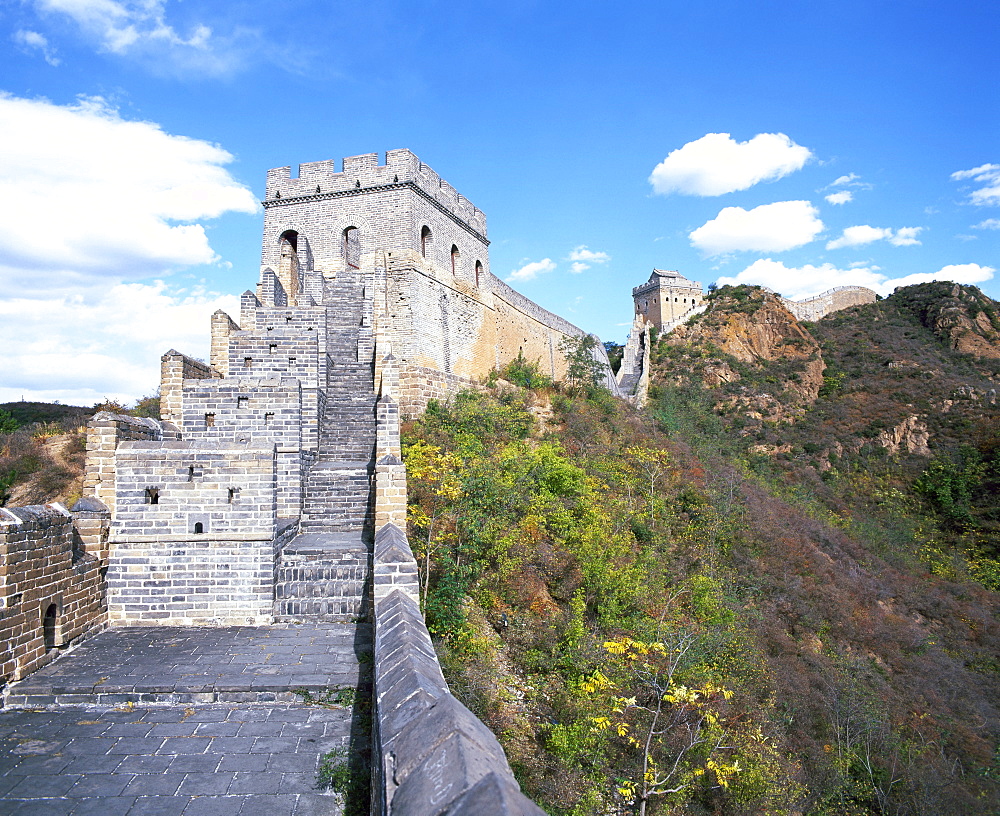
(321, 575)
(322, 572)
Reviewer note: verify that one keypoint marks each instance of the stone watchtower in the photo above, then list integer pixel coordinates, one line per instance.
(374, 292)
(327, 223)
(666, 297)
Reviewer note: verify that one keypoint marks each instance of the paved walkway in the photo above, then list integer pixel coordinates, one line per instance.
(172, 721)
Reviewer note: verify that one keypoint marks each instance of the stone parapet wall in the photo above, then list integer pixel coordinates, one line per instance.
(235, 411)
(833, 300)
(431, 755)
(194, 582)
(448, 336)
(50, 589)
(360, 173)
(223, 327)
(193, 539)
(175, 368)
(531, 309)
(104, 431)
(166, 490)
(92, 527)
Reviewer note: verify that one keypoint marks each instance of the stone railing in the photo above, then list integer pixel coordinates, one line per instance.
(430, 754)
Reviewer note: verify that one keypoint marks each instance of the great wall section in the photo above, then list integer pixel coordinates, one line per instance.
(247, 551)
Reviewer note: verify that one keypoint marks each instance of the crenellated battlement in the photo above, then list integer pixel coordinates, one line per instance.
(318, 180)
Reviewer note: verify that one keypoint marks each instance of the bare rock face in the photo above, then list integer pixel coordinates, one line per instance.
(961, 316)
(770, 333)
(755, 328)
(910, 435)
(967, 334)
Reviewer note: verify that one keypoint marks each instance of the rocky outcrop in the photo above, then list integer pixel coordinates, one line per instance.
(910, 435)
(754, 327)
(961, 316)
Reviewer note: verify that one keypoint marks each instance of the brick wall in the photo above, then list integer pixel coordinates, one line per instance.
(174, 369)
(833, 300)
(42, 571)
(104, 431)
(192, 540)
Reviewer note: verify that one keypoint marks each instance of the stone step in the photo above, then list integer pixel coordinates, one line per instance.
(322, 577)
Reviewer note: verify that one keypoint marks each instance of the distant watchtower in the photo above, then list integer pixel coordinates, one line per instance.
(665, 297)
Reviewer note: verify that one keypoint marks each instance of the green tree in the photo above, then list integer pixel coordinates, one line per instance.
(7, 422)
(583, 370)
(436, 488)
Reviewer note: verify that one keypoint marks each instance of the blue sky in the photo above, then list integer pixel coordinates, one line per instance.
(798, 145)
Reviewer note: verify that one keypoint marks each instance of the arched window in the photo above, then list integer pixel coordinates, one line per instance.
(454, 259)
(351, 241)
(49, 626)
(291, 238)
(425, 240)
(479, 271)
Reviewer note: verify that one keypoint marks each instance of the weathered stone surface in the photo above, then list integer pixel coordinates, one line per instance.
(494, 795)
(455, 765)
(446, 718)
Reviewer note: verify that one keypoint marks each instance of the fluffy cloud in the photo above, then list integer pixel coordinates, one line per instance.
(90, 204)
(840, 198)
(138, 28)
(768, 228)
(716, 164)
(988, 224)
(583, 258)
(865, 234)
(532, 270)
(806, 281)
(118, 199)
(958, 273)
(987, 175)
(906, 236)
(82, 349)
(32, 40)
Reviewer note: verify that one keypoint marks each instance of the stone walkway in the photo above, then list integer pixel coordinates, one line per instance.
(188, 721)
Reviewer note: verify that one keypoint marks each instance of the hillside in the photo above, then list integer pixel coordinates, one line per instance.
(42, 451)
(768, 593)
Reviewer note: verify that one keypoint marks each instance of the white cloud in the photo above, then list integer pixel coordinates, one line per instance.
(581, 253)
(768, 228)
(858, 236)
(906, 236)
(850, 180)
(117, 198)
(840, 181)
(90, 204)
(958, 273)
(840, 198)
(988, 175)
(34, 40)
(532, 270)
(716, 164)
(988, 224)
(806, 281)
(80, 350)
(582, 258)
(865, 234)
(138, 28)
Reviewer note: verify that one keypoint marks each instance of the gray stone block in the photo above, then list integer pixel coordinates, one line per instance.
(494, 795)
(399, 709)
(454, 766)
(446, 718)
